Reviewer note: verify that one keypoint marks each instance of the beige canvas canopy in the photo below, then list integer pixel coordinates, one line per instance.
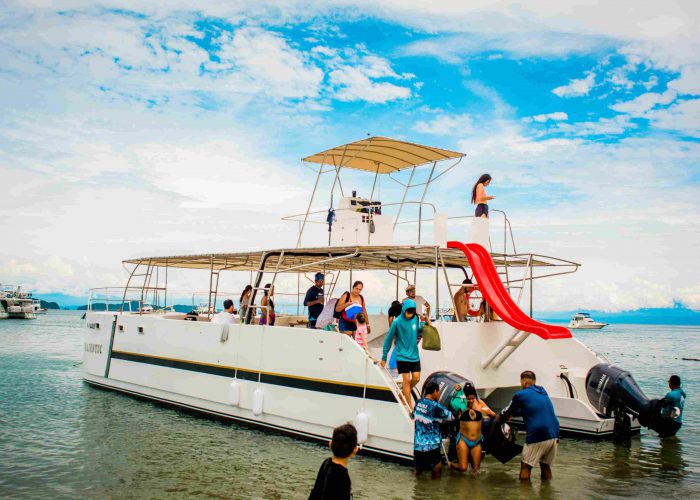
(335, 258)
(381, 155)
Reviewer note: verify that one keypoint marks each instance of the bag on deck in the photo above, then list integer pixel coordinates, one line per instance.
(326, 317)
(431, 338)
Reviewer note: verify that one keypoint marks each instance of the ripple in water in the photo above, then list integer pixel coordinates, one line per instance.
(61, 438)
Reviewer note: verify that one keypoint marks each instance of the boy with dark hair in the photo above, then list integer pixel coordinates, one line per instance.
(333, 480)
(675, 400)
(428, 414)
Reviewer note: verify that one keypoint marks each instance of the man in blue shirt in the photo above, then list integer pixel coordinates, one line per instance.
(314, 300)
(675, 399)
(427, 439)
(541, 425)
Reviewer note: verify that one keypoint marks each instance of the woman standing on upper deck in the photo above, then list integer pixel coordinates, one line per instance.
(480, 198)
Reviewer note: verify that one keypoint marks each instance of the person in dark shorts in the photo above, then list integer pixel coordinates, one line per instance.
(480, 198)
(333, 481)
(405, 329)
(314, 300)
(427, 415)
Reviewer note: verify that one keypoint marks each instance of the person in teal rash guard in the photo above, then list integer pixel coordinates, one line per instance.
(406, 328)
(675, 400)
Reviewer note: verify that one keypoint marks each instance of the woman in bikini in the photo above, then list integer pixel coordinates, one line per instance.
(469, 438)
(480, 198)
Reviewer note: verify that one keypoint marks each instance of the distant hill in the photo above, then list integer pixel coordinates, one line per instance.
(48, 305)
(677, 315)
(181, 308)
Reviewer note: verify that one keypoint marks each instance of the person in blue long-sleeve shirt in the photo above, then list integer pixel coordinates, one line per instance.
(405, 329)
(541, 425)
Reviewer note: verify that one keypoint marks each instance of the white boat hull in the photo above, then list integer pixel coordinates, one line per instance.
(313, 380)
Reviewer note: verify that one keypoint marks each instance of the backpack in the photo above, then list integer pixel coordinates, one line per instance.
(431, 338)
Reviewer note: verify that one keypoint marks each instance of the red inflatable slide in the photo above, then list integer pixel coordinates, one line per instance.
(495, 293)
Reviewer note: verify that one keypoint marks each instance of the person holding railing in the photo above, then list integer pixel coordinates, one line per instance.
(480, 198)
(405, 329)
(244, 301)
(421, 303)
(267, 306)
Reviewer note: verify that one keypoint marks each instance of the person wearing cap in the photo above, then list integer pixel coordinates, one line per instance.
(421, 303)
(314, 300)
(225, 316)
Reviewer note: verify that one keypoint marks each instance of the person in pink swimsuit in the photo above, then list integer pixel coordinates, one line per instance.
(361, 332)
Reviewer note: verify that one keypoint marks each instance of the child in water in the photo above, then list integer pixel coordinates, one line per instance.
(361, 332)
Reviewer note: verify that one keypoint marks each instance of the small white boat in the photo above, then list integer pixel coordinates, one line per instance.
(583, 321)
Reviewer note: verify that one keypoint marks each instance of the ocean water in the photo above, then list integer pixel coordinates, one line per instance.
(60, 438)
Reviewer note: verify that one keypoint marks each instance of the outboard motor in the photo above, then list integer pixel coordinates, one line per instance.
(613, 392)
(448, 382)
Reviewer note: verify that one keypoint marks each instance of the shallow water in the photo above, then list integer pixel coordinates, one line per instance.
(61, 438)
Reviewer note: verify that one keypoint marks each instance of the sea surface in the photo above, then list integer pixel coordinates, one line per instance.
(60, 438)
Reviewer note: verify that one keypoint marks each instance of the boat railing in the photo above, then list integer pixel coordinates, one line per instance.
(135, 299)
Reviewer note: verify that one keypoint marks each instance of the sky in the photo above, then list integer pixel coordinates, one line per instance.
(164, 128)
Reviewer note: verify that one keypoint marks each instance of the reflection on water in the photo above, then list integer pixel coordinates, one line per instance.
(61, 438)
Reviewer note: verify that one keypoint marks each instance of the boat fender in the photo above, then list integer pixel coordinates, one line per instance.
(258, 402)
(362, 425)
(234, 393)
(224, 333)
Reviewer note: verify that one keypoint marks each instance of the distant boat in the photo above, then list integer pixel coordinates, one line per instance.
(15, 303)
(583, 321)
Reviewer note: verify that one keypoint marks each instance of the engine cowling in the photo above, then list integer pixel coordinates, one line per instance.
(613, 391)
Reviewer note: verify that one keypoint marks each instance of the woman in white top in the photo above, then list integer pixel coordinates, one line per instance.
(480, 198)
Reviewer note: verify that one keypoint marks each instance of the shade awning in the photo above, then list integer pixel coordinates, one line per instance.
(308, 260)
(381, 155)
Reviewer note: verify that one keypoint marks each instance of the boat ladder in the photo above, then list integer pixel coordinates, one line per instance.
(505, 349)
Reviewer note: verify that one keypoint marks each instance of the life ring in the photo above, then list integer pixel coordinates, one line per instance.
(470, 312)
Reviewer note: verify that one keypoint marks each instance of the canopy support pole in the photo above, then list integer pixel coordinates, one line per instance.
(403, 200)
(308, 208)
(422, 199)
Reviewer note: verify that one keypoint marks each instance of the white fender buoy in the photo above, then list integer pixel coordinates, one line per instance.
(258, 402)
(362, 426)
(234, 392)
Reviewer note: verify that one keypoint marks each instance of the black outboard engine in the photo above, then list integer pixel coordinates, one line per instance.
(613, 392)
(448, 382)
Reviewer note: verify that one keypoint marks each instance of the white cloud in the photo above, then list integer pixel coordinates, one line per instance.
(446, 124)
(688, 82)
(577, 87)
(604, 126)
(354, 79)
(556, 116)
(683, 116)
(643, 103)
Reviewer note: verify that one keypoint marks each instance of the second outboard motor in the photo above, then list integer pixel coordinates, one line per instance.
(448, 382)
(613, 392)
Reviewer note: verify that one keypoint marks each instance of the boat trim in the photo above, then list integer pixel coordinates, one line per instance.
(281, 379)
(367, 450)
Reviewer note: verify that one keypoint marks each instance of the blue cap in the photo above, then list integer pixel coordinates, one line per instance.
(319, 276)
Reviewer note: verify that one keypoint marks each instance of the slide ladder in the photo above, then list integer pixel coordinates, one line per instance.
(498, 298)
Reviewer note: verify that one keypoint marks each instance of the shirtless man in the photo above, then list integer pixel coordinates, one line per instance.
(461, 299)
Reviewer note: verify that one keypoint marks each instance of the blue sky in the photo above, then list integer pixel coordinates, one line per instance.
(137, 128)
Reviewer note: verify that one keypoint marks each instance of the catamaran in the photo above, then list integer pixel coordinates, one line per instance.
(305, 381)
